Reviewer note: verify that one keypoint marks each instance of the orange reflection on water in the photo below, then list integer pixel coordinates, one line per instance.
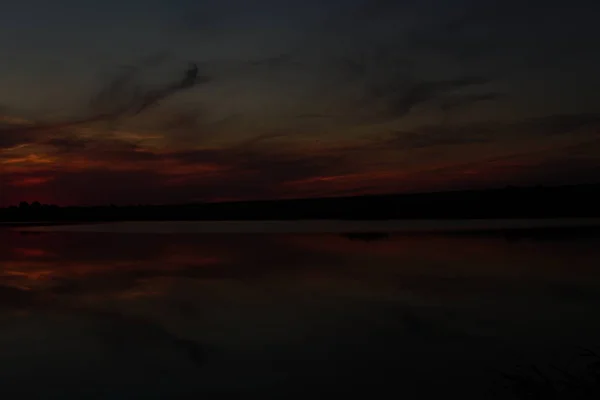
(88, 266)
(31, 252)
(127, 266)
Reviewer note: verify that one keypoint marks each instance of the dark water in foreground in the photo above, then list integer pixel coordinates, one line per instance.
(107, 315)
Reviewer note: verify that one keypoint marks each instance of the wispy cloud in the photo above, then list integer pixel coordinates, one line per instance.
(119, 99)
(455, 102)
(278, 61)
(396, 98)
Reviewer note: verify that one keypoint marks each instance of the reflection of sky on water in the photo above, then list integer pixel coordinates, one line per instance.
(176, 314)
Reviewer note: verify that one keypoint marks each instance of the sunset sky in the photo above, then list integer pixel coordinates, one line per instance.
(296, 98)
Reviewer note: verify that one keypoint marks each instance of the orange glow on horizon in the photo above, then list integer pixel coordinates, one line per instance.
(32, 181)
(30, 159)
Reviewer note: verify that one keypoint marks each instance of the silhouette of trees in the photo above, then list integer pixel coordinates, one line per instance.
(577, 201)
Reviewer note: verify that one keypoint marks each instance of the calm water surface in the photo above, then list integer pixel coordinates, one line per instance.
(118, 315)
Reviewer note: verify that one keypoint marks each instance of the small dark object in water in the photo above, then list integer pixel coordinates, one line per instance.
(27, 233)
(366, 236)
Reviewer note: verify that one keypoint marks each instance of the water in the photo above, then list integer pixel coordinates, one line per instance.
(99, 313)
(321, 226)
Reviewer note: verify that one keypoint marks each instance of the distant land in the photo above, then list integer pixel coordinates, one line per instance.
(574, 201)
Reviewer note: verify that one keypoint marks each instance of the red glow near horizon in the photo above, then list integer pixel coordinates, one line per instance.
(166, 176)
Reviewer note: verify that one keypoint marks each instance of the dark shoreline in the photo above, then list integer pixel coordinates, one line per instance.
(512, 230)
(578, 201)
(21, 224)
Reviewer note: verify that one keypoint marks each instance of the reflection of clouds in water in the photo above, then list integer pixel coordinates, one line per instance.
(12, 297)
(268, 310)
(31, 252)
(417, 270)
(125, 332)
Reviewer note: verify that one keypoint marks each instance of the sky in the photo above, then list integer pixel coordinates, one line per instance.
(293, 99)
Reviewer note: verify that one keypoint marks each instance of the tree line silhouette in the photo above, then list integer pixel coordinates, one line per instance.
(513, 202)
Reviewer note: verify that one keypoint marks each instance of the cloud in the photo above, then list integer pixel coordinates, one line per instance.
(106, 169)
(123, 96)
(401, 104)
(571, 160)
(560, 124)
(428, 136)
(266, 169)
(67, 144)
(457, 102)
(313, 116)
(117, 100)
(10, 138)
(432, 136)
(278, 61)
(102, 171)
(398, 98)
(390, 78)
